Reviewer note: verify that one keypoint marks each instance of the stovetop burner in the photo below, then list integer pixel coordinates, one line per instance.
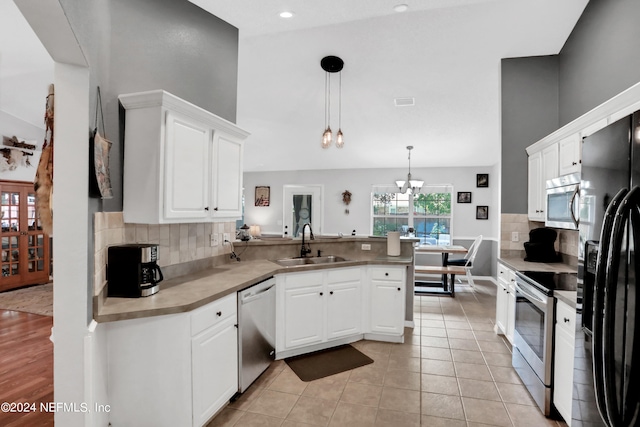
(549, 281)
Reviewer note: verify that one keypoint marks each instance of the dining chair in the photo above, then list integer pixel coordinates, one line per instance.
(467, 261)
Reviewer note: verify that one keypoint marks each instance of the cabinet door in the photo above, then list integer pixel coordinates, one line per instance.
(534, 191)
(569, 158)
(511, 309)
(214, 355)
(304, 315)
(565, 332)
(387, 307)
(501, 307)
(549, 171)
(227, 197)
(344, 305)
(563, 373)
(187, 168)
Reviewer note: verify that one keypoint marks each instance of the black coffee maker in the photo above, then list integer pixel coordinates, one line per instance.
(132, 270)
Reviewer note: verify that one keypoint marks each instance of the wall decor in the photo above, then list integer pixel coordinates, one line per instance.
(262, 196)
(18, 159)
(482, 180)
(482, 212)
(464, 196)
(346, 199)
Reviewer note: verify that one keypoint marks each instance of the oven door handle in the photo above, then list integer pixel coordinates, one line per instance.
(530, 295)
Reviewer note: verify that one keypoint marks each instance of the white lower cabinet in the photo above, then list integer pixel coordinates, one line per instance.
(387, 300)
(563, 359)
(316, 308)
(506, 302)
(173, 370)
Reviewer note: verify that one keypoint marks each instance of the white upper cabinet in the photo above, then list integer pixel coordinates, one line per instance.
(570, 154)
(181, 163)
(543, 165)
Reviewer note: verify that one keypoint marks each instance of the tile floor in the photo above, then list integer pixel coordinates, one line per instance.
(452, 370)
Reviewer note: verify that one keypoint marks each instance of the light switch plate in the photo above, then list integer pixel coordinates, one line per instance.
(214, 239)
(514, 236)
(366, 247)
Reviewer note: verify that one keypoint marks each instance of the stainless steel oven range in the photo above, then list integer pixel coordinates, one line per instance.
(534, 325)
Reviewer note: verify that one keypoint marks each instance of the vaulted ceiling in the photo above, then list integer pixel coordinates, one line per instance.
(443, 53)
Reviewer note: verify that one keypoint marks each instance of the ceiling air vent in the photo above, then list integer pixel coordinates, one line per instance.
(404, 102)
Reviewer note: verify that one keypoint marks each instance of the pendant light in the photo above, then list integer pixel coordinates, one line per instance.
(409, 186)
(332, 64)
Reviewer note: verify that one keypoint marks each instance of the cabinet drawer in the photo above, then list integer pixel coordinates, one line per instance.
(566, 318)
(380, 273)
(213, 313)
(302, 280)
(343, 275)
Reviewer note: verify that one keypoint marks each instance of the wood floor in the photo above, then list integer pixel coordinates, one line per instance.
(26, 366)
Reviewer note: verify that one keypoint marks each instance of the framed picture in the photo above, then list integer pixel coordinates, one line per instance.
(464, 196)
(482, 180)
(262, 196)
(482, 212)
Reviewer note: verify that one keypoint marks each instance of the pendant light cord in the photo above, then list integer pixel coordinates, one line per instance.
(340, 104)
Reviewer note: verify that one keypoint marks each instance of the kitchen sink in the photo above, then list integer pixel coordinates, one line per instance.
(289, 262)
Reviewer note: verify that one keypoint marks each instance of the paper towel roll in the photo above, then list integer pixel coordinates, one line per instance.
(393, 243)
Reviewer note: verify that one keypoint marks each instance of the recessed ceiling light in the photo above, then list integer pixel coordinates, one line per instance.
(286, 14)
(401, 8)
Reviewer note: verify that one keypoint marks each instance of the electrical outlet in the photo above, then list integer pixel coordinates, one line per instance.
(366, 247)
(214, 239)
(226, 238)
(514, 236)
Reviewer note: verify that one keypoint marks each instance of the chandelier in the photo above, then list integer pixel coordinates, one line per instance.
(332, 64)
(409, 186)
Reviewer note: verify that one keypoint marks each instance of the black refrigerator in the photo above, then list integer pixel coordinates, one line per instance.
(607, 350)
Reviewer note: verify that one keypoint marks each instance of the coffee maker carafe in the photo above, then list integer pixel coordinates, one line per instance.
(132, 270)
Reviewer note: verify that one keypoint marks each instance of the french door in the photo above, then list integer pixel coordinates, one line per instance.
(25, 247)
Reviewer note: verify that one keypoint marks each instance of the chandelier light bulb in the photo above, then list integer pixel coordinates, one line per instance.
(339, 139)
(327, 137)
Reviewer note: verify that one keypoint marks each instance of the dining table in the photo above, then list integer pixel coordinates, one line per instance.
(444, 286)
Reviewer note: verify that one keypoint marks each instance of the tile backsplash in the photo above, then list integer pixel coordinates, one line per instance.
(566, 243)
(178, 243)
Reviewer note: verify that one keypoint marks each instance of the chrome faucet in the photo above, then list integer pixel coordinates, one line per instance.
(303, 250)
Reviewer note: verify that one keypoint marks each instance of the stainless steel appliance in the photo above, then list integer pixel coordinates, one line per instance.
(607, 363)
(562, 202)
(532, 355)
(132, 270)
(256, 331)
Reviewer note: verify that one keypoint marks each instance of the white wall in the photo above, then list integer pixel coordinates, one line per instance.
(359, 183)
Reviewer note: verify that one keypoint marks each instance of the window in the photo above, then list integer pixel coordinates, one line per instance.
(427, 215)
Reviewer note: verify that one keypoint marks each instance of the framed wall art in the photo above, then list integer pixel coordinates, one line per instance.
(464, 196)
(482, 180)
(262, 196)
(482, 212)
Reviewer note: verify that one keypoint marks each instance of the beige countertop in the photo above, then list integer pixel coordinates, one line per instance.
(520, 264)
(186, 293)
(568, 297)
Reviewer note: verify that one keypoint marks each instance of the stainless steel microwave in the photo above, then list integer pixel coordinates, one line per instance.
(562, 202)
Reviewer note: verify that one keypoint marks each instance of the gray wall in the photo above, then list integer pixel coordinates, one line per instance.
(529, 113)
(138, 45)
(599, 59)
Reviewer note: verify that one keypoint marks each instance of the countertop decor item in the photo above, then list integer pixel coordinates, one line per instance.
(332, 64)
(409, 186)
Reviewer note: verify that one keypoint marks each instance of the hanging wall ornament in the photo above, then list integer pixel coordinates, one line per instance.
(346, 199)
(43, 184)
(99, 148)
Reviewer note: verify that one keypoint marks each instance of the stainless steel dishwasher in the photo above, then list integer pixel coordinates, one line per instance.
(256, 331)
